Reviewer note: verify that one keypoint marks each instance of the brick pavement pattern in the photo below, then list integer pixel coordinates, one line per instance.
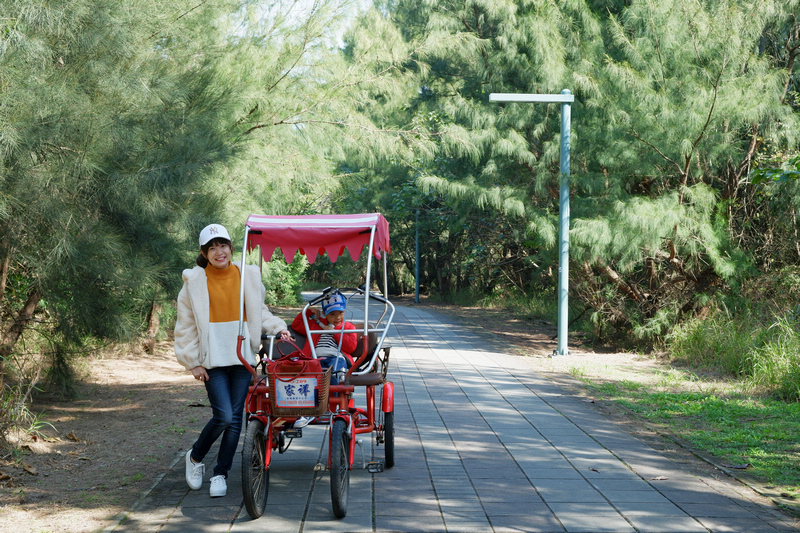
(483, 444)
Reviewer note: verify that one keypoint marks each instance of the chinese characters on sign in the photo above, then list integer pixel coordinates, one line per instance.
(298, 392)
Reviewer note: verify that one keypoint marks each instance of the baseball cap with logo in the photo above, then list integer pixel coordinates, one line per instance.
(213, 231)
(334, 302)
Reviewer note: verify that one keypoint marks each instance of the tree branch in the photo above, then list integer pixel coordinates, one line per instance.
(14, 331)
(703, 130)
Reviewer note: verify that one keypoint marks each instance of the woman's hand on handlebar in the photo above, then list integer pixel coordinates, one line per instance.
(200, 373)
(285, 335)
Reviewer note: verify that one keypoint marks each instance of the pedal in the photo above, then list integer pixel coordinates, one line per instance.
(374, 467)
(293, 433)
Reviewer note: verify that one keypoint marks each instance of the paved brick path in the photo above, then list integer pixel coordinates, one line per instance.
(482, 444)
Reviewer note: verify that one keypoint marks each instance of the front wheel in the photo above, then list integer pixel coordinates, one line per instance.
(340, 467)
(255, 473)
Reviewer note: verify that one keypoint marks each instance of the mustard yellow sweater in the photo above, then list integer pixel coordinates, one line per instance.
(194, 322)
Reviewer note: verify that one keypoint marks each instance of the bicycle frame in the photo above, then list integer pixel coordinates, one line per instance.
(312, 236)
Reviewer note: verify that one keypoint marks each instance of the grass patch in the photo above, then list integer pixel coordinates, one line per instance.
(736, 430)
(765, 354)
(129, 480)
(758, 422)
(579, 374)
(176, 429)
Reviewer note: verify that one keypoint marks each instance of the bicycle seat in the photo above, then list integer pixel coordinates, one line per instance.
(364, 380)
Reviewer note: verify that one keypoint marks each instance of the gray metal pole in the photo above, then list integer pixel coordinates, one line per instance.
(565, 99)
(416, 260)
(563, 231)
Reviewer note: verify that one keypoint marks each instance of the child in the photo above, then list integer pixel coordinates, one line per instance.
(328, 346)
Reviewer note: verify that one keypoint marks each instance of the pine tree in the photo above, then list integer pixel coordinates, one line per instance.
(126, 129)
(682, 97)
(487, 181)
(671, 99)
(112, 122)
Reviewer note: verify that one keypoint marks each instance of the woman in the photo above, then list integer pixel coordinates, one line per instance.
(206, 333)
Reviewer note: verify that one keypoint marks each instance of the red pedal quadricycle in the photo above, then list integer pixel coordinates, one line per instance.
(288, 385)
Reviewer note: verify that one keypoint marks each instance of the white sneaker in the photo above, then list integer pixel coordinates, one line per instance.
(301, 422)
(194, 472)
(219, 487)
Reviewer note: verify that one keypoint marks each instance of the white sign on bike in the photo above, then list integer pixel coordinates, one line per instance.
(296, 393)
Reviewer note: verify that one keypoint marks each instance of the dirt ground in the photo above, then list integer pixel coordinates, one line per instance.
(138, 413)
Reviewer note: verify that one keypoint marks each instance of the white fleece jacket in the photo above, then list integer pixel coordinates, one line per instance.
(191, 326)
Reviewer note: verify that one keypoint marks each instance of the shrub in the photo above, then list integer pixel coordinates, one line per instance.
(718, 342)
(22, 372)
(283, 281)
(766, 354)
(776, 364)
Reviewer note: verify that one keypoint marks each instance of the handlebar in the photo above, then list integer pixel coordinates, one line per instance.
(271, 339)
(355, 290)
(327, 291)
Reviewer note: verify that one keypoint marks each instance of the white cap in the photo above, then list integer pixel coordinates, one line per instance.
(213, 231)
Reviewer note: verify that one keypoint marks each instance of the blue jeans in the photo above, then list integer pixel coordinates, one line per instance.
(337, 363)
(227, 390)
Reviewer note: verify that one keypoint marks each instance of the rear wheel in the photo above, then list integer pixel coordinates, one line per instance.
(255, 474)
(388, 438)
(340, 467)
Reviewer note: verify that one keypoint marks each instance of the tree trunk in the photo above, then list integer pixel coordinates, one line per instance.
(14, 331)
(622, 286)
(154, 323)
(4, 270)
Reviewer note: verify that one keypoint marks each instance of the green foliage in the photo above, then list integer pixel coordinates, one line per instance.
(790, 171)
(24, 369)
(167, 319)
(659, 138)
(484, 214)
(665, 117)
(283, 282)
(749, 340)
(109, 135)
(126, 129)
(345, 272)
(61, 376)
(721, 343)
(16, 417)
(776, 363)
(538, 306)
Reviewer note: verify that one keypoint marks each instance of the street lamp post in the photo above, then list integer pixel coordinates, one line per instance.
(416, 258)
(565, 99)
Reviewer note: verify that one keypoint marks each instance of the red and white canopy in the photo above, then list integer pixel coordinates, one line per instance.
(314, 235)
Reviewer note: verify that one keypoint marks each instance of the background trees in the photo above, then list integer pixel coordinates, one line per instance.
(125, 130)
(675, 102)
(108, 133)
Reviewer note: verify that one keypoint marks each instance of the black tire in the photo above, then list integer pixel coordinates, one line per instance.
(255, 475)
(340, 468)
(388, 438)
